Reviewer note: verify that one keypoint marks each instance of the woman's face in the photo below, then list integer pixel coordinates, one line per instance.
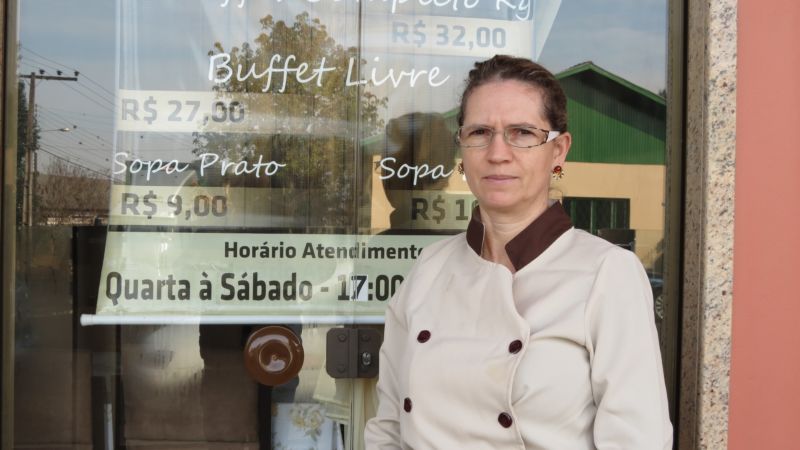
(509, 180)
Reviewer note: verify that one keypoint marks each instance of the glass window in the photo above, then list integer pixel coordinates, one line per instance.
(188, 173)
(594, 214)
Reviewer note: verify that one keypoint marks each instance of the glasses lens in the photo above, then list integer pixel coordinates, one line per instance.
(474, 136)
(525, 136)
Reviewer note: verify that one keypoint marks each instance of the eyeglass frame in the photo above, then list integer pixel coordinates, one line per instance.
(551, 136)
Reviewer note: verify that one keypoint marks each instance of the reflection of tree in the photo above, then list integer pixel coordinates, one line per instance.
(70, 194)
(313, 129)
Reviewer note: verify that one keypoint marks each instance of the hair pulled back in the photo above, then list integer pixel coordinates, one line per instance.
(504, 67)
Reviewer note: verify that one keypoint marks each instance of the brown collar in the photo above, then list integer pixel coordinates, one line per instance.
(530, 242)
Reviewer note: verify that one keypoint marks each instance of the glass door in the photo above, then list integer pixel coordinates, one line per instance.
(215, 199)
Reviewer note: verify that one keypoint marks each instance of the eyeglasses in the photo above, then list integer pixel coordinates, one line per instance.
(515, 136)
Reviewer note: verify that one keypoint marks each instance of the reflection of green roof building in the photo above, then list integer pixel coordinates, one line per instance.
(612, 120)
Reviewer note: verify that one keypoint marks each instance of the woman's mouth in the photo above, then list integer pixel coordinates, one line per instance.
(499, 178)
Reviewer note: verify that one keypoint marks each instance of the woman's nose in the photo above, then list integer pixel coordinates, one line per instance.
(498, 149)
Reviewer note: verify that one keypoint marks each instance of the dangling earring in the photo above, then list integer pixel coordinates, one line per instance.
(460, 169)
(558, 172)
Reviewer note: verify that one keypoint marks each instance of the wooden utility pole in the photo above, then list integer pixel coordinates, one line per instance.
(30, 152)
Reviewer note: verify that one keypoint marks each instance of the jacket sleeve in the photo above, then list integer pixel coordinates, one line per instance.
(383, 431)
(626, 372)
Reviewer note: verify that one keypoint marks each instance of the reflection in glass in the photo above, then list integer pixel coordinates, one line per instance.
(361, 154)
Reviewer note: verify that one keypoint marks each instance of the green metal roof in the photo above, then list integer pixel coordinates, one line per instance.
(590, 66)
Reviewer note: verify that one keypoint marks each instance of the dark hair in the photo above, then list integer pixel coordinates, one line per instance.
(504, 67)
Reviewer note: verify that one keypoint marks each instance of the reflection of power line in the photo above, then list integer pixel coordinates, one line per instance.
(80, 138)
(97, 153)
(74, 123)
(75, 136)
(40, 59)
(165, 136)
(96, 94)
(88, 78)
(96, 118)
(78, 135)
(106, 107)
(63, 152)
(77, 162)
(79, 147)
(107, 97)
(84, 152)
(27, 67)
(31, 169)
(39, 64)
(54, 158)
(68, 161)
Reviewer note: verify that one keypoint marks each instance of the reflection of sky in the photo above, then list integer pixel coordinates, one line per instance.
(166, 44)
(65, 37)
(625, 37)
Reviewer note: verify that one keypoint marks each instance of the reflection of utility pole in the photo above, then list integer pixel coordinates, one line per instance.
(30, 152)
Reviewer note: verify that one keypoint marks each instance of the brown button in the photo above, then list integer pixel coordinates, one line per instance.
(505, 420)
(407, 404)
(423, 336)
(515, 346)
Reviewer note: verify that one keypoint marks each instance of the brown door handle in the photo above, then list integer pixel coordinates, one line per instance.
(273, 355)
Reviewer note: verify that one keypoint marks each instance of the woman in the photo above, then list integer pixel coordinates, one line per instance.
(523, 332)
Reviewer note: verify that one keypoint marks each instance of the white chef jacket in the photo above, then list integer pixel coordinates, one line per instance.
(562, 354)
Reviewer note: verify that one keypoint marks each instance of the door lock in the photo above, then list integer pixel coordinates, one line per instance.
(352, 352)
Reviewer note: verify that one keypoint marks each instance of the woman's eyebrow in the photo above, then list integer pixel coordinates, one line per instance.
(525, 124)
(520, 124)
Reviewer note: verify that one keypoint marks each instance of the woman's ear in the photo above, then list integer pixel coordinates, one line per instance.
(562, 144)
